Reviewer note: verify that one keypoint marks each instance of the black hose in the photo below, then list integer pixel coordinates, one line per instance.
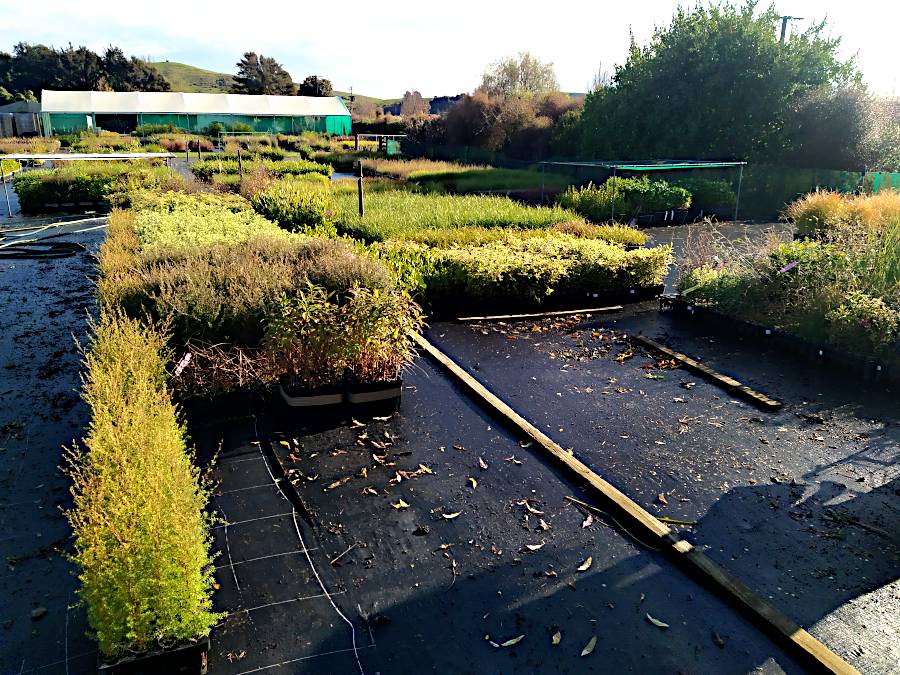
(38, 250)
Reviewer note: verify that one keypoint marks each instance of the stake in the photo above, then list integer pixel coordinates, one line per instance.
(359, 183)
(356, 142)
(737, 199)
(6, 190)
(543, 170)
(240, 163)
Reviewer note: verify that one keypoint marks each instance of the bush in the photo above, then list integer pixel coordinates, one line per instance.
(826, 213)
(301, 204)
(142, 541)
(215, 129)
(707, 193)
(35, 145)
(624, 198)
(863, 323)
(103, 183)
(155, 129)
(240, 127)
(251, 155)
(206, 168)
(400, 214)
(105, 143)
(9, 165)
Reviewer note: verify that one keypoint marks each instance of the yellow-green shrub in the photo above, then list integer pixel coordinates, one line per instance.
(142, 542)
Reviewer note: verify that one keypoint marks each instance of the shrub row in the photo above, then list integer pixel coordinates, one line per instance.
(624, 198)
(207, 168)
(36, 145)
(824, 212)
(142, 538)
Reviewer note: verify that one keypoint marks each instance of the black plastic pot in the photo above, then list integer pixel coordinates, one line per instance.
(372, 392)
(311, 397)
(187, 659)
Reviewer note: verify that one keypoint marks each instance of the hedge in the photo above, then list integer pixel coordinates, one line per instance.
(142, 538)
(206, 168)
(624, 198)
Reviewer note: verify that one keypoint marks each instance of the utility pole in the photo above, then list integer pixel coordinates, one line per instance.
(784, 25)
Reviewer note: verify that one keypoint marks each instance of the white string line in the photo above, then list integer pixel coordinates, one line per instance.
(231, 565)
(223, 462)
(285, 602)
(66, 653)
(243, 522)
(262, 557)
(302, 658)
(309, 558)
(251, 487)
(66, 661)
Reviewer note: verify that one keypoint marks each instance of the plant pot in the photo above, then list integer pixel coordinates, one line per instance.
(360, 393)
(186, 659)
(311, 397)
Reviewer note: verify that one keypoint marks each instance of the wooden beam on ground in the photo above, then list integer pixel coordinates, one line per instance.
(649, 528)
(723, 381)
(541, 315)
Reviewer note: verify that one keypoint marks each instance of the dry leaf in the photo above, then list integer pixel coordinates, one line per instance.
(535, 547)
(371, 491)
(355, 424)
(482, 464)
(661, 498)
(451, 516)
(543, 525)
(400, 505)
(514, 641)
(473, 482)
(285, 444)
(382, 419)
(339, 482)
(556, 639)
(586, 564)
(425, 469)
(588, 521)
(363, 472)
(589, 647)
(657, 622)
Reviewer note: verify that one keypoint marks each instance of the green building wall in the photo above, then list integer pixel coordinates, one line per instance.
(65, 123)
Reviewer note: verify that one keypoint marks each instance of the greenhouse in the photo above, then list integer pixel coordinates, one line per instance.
(72, 111)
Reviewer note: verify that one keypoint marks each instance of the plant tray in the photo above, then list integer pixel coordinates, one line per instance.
(371, 393)
(311, 400)
(186, 659)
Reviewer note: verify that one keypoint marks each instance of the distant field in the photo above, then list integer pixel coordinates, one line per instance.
(184, 77)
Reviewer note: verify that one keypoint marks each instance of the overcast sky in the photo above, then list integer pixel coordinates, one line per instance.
(385, 48)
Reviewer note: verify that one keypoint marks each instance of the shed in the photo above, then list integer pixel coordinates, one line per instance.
(72, 111)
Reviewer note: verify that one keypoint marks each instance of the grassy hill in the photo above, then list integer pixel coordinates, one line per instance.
(184, 77)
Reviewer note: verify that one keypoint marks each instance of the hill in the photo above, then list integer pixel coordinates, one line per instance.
(184, 77)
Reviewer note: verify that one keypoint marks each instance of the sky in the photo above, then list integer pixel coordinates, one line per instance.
(383, 49)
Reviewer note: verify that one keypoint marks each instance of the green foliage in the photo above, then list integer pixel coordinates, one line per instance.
(398, 214)
(215, 129)
(105, 143)
(33, 145)
(91, 182)
(142, 542)
(313, 85)
(143, 130)
(263, 152)
(708, 193)
(299, 205)
(624, 198)
(240, 127)
(9, 165)
(258, 74)
(206, 168)
(716, 82)
(862, 322)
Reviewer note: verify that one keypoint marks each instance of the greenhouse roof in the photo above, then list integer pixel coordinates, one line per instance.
(133, 102)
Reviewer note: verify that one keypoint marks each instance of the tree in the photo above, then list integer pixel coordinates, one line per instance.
(522, 74)
(715, 83)
(313, 85)
(258, 74)
(413, 104)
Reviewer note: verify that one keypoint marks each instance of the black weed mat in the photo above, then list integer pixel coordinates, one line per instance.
(452, 549)
(801, 504)
(43, 304)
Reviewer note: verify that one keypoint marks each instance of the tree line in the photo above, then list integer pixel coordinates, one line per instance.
(717, 82)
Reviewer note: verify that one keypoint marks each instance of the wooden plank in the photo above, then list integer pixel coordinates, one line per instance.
(541, 315)
(724, 381)
(648, 527)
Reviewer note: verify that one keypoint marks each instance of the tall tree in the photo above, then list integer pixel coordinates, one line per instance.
(715, 83)
(413, 104)
(522, 74)
(313, 85)
(258, 74)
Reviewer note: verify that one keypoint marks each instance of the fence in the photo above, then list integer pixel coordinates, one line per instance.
(765, 190)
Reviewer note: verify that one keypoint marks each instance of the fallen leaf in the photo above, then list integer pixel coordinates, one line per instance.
(587, 521)
(473, 482)
(586, 564)
(355, 424)
(543, 525)
(514, 641)
(459, 447)
(482, 464)
(720, 643)
(661, 498)
(400, 505)
(382, 419)
(529, 507)
(371, 491)
(556, 639)
(535, 547)
(363, 472)
(339, 482)
(285, 444)
(451, 516)
(425, 469)
(657, 622)
(589, 647)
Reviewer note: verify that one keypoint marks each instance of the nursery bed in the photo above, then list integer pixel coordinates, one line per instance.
(799, 504)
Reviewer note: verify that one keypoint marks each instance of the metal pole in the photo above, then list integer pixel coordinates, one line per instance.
(356, 142)
(543, 170)
(612, 202)
(362, 208)
(240, 162)
(737, 199)
(5, 190)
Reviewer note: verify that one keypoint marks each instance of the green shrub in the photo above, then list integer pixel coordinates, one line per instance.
(299, 205)
(215, 129)
(400, 214)
(143, 130)
(240, 127)
(31, 145)
(142, 542)
(9, 165)
(624, 198)
(263, 152)
(863, 323)
(105, 143)
(206, 168)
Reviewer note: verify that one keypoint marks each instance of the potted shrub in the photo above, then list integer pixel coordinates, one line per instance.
(308, 344)
(145, 565)
(380, 325)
